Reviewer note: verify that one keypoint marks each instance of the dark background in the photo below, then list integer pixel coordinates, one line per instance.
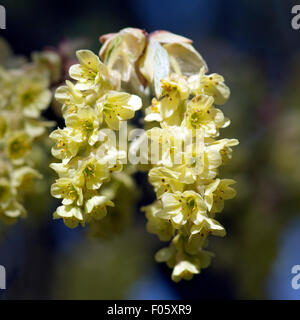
(252, 44)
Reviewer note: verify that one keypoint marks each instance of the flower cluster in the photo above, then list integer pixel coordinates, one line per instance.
(24, 94)
(185, 177)
(185, 152)
(88, 157)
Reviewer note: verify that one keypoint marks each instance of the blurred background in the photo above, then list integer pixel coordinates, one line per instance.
(250, 43)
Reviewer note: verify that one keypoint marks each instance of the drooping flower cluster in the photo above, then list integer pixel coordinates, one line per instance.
(89, 159)
(185, 153)
(24, 94)
(185, 177)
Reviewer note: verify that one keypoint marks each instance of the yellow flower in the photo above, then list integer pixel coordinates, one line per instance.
(64, 169)
(153, 113)
(71, 215)
(19, 145)
(182, 207)
(184, 270)
(206, 224)
(174, 90)
(69, 190)
(193, 162)
(108, 155)
(91, 72)
(212, 162)
(164, 180)
(94, 172)
(211, 85)
(118, 106)
(171, 142)
(218, 191)
(95, 207)
(169, 106)
(201, 114)
(186, 264)
(162, 228)
(85, 121)
(69, 97)
(168, 254)
(32, 95)
(67, 143)
(223, 146)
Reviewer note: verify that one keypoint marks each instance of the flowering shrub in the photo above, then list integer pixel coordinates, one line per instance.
(166, 70)
(182, 125)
